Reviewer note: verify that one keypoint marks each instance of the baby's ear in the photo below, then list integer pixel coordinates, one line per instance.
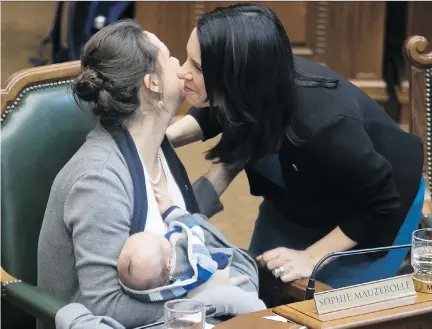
(169, 263)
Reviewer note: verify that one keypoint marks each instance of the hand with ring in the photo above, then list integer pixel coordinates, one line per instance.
(287, 264)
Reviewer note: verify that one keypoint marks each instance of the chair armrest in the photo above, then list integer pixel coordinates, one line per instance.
(30, 298)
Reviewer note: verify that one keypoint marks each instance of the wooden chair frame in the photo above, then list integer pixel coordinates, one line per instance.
(419, 57)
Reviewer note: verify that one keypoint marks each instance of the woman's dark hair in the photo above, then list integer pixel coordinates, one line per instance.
(114, 62)
(251, 81)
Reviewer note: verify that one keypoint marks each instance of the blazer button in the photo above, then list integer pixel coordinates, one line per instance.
(294, 167)
(187, 188)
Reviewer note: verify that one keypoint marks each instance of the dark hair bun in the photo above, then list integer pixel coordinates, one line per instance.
(114, 63)
(88, 85)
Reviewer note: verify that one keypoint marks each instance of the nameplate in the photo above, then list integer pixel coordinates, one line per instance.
(364, 294)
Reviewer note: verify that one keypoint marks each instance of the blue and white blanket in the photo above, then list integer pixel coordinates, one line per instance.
(193, 264)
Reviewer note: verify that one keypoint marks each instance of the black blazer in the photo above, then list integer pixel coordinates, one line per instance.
(356, 169)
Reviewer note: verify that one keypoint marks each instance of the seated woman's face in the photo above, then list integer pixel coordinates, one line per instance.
(172, 86)
(191, 73)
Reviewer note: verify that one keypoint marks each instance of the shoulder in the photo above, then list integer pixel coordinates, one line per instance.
(320, 109)
(338, 130)
(341, 142)
(318, 106)
(95, 191)
(99, 158)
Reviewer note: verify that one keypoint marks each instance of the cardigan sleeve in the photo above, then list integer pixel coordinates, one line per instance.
(77, 316)
(207, 121)
(347, 156)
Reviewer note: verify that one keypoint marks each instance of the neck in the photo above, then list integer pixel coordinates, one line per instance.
(148, 133)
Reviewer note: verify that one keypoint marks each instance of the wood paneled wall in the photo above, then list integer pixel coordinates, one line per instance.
(347, 36)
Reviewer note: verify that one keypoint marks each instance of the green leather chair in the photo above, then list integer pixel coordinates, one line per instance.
(42, 127)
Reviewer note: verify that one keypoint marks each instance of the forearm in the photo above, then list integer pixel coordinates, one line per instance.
(221, 176)
(184, 131)
(336, 240)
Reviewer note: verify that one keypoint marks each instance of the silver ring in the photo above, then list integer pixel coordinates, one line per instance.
(278, 272)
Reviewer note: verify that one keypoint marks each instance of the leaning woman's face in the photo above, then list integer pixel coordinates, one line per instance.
(192, 75)
(172, 86)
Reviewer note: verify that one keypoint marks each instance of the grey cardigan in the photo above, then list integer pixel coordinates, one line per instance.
(86, 223)
(76, 316)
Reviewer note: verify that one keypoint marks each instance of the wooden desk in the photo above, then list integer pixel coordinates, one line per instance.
(255, 321)
(414, 316)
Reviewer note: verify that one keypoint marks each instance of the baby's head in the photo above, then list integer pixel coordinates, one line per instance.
(145, 261)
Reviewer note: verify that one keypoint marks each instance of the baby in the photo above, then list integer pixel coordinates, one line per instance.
(145, 261)
(190, 260)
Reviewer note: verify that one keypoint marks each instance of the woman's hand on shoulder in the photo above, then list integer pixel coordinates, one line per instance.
(291, 264)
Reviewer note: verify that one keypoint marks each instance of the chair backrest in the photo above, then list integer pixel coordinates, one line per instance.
(419, 57)
(42, 127)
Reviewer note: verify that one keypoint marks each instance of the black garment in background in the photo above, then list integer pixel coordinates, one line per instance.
(393, 59)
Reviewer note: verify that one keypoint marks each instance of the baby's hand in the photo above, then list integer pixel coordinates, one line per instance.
(239, 280)
(163, 199)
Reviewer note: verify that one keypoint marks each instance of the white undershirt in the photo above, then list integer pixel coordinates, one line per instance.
(154, 221)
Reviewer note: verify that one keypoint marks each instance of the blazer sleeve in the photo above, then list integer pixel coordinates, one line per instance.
(347, 156)
(97, 213)
(207, 120)
(207, 198)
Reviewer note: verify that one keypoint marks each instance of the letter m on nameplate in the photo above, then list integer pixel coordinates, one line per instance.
(365, 294)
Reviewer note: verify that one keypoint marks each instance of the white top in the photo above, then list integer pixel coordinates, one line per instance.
(155, 222)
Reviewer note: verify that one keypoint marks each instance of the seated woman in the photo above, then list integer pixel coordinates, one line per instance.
(105, 192)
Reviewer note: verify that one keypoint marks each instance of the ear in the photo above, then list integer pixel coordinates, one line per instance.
(169, 263)
(152, 82)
